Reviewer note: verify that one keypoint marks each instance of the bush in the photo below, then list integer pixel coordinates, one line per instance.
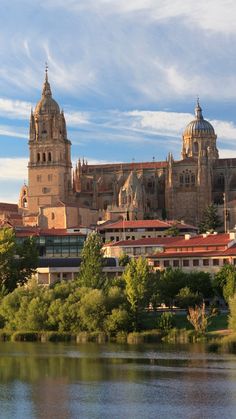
(166, 321)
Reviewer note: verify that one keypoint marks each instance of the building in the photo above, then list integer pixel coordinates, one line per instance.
(58, 197)
(207, 252)
(140, 229)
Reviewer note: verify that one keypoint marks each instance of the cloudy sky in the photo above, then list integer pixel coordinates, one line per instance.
(126, 73)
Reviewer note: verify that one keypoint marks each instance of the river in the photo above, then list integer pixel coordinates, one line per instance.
(65, 381)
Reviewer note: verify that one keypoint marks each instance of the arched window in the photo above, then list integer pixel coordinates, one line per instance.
(44, 157)
(53, 216)
(25, 203)
(49, 156)
(187, 178)
(38, 156)
(181, 179)
(192, 179)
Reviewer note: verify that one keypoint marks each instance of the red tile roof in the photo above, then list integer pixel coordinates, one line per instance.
(209, 240)
(5, 206)
(171, 255)
(135, 224)
(148, 241)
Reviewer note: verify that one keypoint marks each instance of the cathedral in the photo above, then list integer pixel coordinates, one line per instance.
(59, 196)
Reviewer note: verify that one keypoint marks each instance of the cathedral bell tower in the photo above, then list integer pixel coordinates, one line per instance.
(49, 168)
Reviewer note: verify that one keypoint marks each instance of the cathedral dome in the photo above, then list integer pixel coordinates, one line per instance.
(199, 126)
(47, 104)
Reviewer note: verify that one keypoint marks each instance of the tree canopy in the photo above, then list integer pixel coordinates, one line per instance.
(17, 261)
(91, 274)
(210, 220)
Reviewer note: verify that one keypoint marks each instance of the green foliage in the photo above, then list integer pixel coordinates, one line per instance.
(91, 274)
(225, 281)
(138, 287)
(166, 321)
(171, 282)
(117, 321)
(201, 283)
(186, 298)
(232, 311)
(17, 262)
(210, 220)
(92, 310)
(123, 259)
(172, 231)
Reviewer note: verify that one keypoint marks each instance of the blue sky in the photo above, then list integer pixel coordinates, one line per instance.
(126, 73)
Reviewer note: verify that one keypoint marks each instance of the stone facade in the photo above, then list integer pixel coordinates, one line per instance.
(58, 197)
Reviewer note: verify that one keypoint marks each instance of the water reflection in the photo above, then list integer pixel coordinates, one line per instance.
(105, 381)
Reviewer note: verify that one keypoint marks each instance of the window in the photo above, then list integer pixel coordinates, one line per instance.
(156, 263)
(193, 179)
(39, 178)
(216, 262)
(205, 262)
(49, 156)
(176, 263)
(53, 216)
(225, 261)
(185, 262)
(195, 262)
(166, 263)
(50, 178)
(181, 179)
(38, 156)
(44, 157)
(187, 178)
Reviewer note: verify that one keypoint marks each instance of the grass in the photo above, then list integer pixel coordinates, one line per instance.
(150, 321)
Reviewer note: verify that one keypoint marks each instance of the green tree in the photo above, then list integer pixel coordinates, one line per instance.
(118, 320)
(91, 274)
(92, 310)
(170, 283)
(138, 287)
(232, 313)
(187, 298)
(225, 281)
(17, 262)
(123, 259)
(201, 283)
(172, 231)
(210, 220)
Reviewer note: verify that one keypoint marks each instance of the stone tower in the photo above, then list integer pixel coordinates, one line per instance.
(49, 168)
(189, 181)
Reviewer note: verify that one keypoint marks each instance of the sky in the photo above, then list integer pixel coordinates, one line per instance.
(126, 73)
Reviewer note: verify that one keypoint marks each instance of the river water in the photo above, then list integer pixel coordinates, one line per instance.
(93, 381)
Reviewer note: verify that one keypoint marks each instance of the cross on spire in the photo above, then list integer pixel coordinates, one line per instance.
(46, 70)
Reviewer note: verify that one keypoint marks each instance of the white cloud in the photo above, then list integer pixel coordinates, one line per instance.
(15, 108)
(213, 15)
(74, 118)
(6, 131)
(13, 169)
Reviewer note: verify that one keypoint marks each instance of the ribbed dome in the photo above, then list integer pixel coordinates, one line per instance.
(199, 126)
(47, 104)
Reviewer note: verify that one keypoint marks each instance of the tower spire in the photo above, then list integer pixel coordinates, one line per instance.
(46, 86)
(198, 110)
